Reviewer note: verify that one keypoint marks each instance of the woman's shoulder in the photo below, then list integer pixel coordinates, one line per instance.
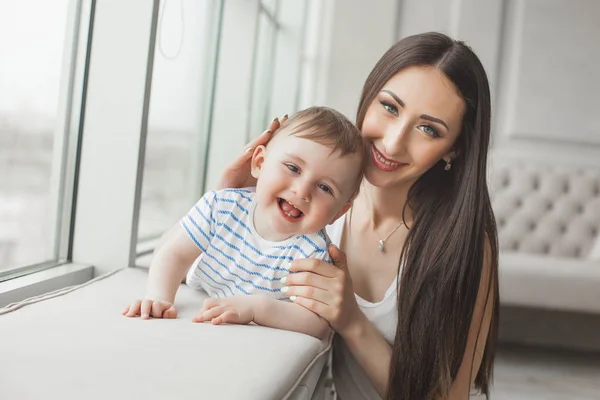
(335, 230)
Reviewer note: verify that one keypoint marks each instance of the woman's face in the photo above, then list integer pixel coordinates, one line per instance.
(411, 124)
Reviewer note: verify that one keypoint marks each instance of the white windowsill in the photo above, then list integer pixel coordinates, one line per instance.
(41, 282)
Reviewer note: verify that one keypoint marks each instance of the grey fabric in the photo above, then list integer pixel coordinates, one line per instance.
(551, 283)
(546, 208)
(548, 217)
(75, 344)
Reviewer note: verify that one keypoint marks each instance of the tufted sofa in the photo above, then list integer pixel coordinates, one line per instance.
(548, 219)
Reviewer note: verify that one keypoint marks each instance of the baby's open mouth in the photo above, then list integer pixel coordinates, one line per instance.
(289, 209)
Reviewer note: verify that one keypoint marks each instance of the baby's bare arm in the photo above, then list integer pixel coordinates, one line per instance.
(289, 316)
(170, 263)
(172, 258)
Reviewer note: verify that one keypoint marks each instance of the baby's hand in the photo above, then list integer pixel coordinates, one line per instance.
(229, 310)
(151, 308)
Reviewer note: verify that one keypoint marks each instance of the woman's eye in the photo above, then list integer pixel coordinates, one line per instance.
(293, 168)
(325, 188)
(389, 107)
(429, 131)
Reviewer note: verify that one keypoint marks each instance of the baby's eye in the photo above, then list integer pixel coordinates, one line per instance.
(325, 188)
(429, 131)
(293, 168)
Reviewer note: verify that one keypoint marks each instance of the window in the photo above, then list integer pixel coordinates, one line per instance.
(264, 60)
(40, 93)
(284, 70)
(179, 116)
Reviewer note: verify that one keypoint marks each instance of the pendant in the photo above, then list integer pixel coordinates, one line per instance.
(381, 243)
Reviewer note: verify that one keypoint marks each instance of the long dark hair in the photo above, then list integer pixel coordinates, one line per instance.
(452, 220)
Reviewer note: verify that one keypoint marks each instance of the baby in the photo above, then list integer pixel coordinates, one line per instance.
(240, 241)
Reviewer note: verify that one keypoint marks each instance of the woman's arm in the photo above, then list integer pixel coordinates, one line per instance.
(371, 351)
(327, 291)
(478, 333)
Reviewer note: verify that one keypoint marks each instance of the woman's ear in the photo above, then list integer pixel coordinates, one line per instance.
(450, 156)
(258, 158)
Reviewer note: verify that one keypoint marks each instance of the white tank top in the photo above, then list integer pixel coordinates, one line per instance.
(351, 382)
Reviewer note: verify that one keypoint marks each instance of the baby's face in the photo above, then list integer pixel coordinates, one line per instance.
(302, 186)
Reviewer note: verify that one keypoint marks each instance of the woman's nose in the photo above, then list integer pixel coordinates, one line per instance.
(395, 138)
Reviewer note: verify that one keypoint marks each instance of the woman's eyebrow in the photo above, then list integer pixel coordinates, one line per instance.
(423, 116)
(395, 96)
(433, 119)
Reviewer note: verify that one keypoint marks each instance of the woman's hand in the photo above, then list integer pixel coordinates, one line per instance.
(325, 289)
(237, 174)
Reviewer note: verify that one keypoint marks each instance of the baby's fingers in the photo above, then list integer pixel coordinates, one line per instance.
(228, 317)
(146, 308)
(170, 313)
(207, 315)
(159, 307)
(133, 309)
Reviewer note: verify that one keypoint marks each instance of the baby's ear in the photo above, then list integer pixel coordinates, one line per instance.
(343, 211)
(258, 158)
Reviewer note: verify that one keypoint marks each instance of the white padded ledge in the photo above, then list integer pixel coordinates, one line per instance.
(75, 344)
(551, 283)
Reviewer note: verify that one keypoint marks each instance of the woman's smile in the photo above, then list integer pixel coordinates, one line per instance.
(383, 162)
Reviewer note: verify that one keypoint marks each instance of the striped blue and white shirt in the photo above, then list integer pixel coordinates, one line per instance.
(235, 259)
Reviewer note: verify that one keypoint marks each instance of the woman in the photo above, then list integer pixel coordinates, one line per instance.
(413, 296)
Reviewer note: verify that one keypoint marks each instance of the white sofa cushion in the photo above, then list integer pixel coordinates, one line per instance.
(75, 344)
(550, 283)
(546, 208)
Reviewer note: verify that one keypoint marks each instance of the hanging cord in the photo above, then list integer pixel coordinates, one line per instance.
(160, 31)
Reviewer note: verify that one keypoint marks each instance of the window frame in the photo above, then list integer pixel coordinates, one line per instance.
(127, 32)
(66, 139)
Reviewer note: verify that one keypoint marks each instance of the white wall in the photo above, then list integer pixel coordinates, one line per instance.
(541, 57)
(361, 31)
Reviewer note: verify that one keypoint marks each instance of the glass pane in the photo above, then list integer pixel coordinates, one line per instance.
(270, 5)
(309, 56)
(32, 48)
(181, 90)
(262, 74)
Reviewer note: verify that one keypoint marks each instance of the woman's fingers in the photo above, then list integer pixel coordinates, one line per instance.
(310, 292)
(308, 279)
(321, 309)
(315, 266)
(237, 174)
(338, 257)
(263, 139)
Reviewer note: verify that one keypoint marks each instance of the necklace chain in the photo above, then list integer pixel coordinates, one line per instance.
(381, 246)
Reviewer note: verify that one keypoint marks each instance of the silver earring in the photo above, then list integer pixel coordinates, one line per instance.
(448, 165)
